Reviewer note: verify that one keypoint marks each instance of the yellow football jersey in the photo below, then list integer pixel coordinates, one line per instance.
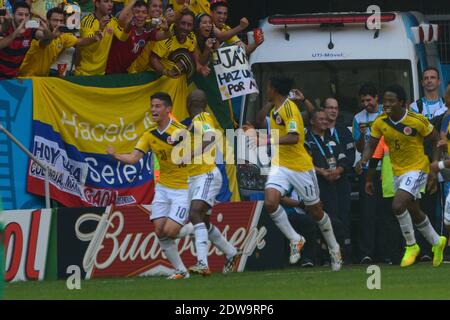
(175, 5)
(161, 144)
(233, 39)
(200, 6)
(38, 60)
(405, 141)
(203, 163)
(93, 57)
(164, 48)
(287, 119)
(142, 62)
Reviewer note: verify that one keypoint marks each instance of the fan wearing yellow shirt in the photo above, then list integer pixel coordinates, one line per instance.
(142, 62)
(219, 14)
(42, 54)
(92, 59)
(171, 204)
(183, 38)
(404, 132)
(292, 167)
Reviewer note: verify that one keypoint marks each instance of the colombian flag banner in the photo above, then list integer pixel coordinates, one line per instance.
(74, 122)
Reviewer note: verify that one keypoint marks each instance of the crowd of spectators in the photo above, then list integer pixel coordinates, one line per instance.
(114, 38)
(132, 36)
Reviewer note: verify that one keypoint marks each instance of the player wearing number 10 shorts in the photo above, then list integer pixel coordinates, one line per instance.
(171, 202)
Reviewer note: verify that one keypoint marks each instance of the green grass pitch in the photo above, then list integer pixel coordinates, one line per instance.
(420, 281)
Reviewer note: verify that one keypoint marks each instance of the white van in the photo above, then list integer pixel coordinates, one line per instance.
(333, 54)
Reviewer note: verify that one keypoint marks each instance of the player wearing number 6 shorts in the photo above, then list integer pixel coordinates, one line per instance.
(292, 167)
(205, 181)
(404, 132)
(170, 204)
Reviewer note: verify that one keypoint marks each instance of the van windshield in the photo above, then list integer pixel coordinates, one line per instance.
(341, 79)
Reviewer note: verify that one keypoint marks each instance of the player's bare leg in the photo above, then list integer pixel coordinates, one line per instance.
(272, 205)
(166, 230)
(323, 221)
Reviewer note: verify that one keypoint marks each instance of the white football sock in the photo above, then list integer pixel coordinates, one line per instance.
(327, 231)
(282, 222)
(406, 226)
(201, 242)
(220, 242)
(427, 230)
(170, 249)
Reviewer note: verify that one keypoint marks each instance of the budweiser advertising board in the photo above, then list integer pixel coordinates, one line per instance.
(26, 240)
(121, 242)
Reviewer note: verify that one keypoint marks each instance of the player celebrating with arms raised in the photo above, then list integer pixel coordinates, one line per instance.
(404, 132)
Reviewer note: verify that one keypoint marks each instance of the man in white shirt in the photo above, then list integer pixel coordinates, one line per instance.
(432, 104)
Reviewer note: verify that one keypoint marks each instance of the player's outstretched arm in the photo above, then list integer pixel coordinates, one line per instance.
(128, 158)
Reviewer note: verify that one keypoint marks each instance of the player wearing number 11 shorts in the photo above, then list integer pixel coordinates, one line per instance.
(404, 132)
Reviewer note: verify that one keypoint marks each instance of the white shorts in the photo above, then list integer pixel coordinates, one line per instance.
(304, 182)
(412, 182)
(447, 211)
(205, 186)
(170, 203)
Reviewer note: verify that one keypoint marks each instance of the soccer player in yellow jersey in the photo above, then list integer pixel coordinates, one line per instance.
(170, 205)
(205, 182)
(93, 58)
(292, 167)
(43, 54)
(444, 143)
(404, 132)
